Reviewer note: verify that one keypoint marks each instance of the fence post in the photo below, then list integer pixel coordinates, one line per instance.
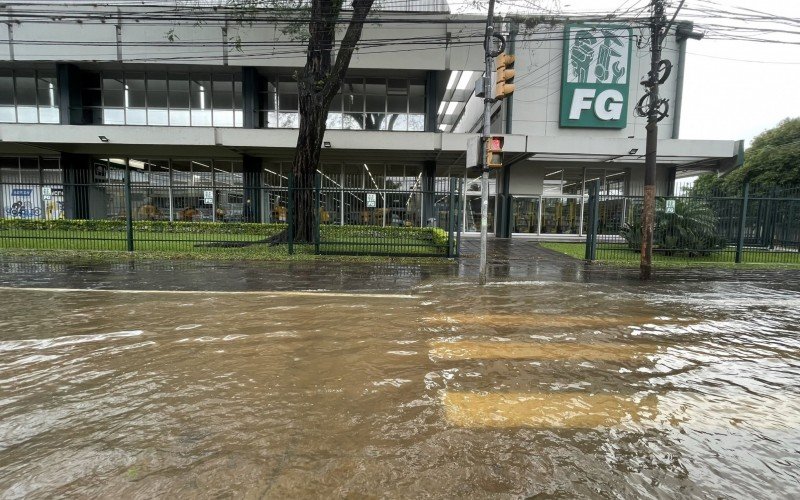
(594, 208)
(459, 216)
(317, 215)
(128, 206)
(290, 213)
(742, 220)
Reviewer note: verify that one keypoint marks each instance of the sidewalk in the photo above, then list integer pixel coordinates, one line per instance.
(509, 260)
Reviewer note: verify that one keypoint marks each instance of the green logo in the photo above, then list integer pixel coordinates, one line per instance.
(596, 71)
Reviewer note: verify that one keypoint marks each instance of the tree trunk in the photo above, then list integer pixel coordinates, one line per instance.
(317, 85)
(304, 169)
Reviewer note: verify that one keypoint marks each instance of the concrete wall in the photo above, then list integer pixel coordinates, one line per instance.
(96, 39)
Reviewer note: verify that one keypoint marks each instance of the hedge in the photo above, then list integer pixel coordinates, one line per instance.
(142, 226)
(434, 235)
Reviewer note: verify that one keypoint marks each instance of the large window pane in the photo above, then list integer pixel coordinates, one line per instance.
(26, 88)
(397, 104)
(113, 90)
(223, 92)
(47, 92)
(223, 118)
(114, 116)
(157, 117)
(6, 88)
(8, 114)
(179, 92)
(416, 123)
(416, 97)
(179, 117)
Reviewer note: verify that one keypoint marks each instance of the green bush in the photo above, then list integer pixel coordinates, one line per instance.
(433, 235)
(690, 230)
(142, 226)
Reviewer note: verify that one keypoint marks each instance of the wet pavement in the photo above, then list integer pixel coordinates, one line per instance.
(156, 379)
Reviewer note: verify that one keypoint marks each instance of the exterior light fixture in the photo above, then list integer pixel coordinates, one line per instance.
(103, 138)
(633, 151)
(327, 144)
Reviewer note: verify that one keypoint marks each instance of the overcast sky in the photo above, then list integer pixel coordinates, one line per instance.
(726, 99)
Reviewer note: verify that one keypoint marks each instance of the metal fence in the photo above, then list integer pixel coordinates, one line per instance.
(77, 210)
(758, 225)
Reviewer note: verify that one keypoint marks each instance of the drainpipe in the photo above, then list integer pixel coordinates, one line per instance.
(683, 32)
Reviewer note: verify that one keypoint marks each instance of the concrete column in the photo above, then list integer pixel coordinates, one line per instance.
(251, 97)
(671, 175)
(430, 101)
(77, 172)
(503, 223)
(252, 174)
(428, 196)
(70, 101)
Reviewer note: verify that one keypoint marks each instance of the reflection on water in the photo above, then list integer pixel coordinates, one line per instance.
(571, 389)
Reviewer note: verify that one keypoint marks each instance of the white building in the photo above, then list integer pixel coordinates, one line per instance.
(207, 125)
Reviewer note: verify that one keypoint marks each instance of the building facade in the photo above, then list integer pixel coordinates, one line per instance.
(203, 116)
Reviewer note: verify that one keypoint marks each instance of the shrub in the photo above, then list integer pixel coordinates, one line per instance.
(690, 230)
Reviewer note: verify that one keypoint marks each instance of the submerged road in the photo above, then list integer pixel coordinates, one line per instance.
(149, 379)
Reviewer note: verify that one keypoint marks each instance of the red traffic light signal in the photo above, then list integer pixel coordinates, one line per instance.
(494, 152)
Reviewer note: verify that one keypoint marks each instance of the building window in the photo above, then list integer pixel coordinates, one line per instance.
(362, 104)
(165, 99)
(28, 96)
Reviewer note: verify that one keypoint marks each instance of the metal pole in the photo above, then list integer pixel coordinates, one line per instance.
(742, 220)
(128, 206)
(649, 208)
(487, 120)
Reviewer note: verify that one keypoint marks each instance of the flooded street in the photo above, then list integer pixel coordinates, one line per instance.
(415, 384)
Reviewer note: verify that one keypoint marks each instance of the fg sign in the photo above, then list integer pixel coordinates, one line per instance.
(595, 77)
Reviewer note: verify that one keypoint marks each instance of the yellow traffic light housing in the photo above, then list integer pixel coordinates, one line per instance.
(494, 152)
(505, 76)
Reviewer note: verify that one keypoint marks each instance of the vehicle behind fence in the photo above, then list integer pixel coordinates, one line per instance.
(758, 225)
(77, 210)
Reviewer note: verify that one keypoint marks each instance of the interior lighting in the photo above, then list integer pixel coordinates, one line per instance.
(451, 83)
(464, 81)
(451, 108)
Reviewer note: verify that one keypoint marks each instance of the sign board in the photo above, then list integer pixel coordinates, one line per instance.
(21, 202)
(670, 207)
(595, 76)
(47, 191)
(473, 151)
(208, 197)
(372, 200)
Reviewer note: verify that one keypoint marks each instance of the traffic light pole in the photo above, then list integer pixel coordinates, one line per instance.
(487, 121)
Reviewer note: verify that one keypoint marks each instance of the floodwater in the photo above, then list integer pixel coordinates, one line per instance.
(433, 387)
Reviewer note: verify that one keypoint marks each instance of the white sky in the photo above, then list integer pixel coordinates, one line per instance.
(726, 99)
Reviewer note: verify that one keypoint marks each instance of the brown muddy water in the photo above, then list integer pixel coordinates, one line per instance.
(675, 389)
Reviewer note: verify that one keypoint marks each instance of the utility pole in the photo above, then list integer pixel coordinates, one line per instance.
(487, 121)
(657, 22)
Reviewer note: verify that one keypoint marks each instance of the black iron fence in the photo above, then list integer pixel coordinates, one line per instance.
(759, 225)
(84, 212)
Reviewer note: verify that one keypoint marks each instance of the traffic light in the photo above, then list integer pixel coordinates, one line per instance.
(505, 76)
(494, 152)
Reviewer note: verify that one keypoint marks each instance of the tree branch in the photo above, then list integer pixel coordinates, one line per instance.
(361, 9)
